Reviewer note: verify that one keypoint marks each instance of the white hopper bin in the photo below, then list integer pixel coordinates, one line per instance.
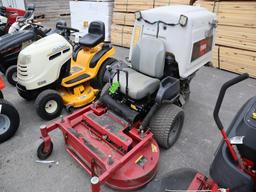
(191, 44)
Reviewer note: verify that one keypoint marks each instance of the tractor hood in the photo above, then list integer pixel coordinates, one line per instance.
(13, 40)
(40, 63)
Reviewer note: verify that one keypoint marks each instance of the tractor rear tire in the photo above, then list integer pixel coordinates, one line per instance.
(166, 124)
(9, 120)
(49, 104)
(98, 81)
(11, 75)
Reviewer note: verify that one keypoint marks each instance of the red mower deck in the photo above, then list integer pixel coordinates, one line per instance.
(104, 145)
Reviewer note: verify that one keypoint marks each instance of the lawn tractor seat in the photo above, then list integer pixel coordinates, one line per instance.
(148, 60)
(96, 35)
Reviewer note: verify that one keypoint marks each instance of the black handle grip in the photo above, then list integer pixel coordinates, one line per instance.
(222, 94)
(68, 28)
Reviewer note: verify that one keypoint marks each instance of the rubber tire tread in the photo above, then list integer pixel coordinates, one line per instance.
(162, 121)
(9, 110)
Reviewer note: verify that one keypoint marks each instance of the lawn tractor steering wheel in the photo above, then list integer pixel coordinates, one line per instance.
(68, 30)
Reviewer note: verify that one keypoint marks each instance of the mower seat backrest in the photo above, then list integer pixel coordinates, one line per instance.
(96, 35)
(148, 60)
(148, 57)
(30, 11)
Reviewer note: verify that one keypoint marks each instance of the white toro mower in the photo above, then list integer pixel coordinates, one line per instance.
(116, 139)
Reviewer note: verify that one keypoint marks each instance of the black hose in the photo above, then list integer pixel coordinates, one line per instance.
(146, 120)
(222, 94)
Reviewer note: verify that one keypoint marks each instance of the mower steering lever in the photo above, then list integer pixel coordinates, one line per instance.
(67, 28)
(222, 94)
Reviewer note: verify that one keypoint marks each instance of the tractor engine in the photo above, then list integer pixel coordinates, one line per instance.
(43, 62)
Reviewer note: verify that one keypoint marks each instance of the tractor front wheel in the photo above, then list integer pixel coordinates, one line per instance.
(9, 120)
(49, 104)
(166, 124)
(11, 75)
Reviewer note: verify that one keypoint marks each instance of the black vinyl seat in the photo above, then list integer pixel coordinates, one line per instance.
(96, 35)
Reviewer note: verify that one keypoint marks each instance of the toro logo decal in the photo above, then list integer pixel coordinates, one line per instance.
(201, 47)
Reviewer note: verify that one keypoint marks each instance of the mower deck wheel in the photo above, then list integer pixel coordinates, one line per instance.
(9, 120)
(49, 104)
(166, 124)
(40, 151)
(11, 75)
(70, 108)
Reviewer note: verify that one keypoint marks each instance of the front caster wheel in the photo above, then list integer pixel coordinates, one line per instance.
(42, 154)
(49, 104)
(70, 108)
(11, 75)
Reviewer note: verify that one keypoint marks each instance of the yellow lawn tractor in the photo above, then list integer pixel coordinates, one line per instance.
(54, 74)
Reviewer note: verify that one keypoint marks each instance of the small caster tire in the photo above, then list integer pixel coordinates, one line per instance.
(70, 109)
(40, 151)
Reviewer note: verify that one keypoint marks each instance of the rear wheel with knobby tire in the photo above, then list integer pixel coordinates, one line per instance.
(9, 120)
(49, 104)
(98, 82)
(166, 124)
(11, 75)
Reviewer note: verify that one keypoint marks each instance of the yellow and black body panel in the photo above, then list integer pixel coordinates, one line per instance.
(87, 65)
(76, 89)
(78, 96)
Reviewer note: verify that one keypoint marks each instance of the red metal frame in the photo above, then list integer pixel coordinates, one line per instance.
(99, 153)
(201, 182)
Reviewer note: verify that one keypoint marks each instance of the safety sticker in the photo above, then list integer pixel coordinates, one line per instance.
(141, 161)
(154, 148)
